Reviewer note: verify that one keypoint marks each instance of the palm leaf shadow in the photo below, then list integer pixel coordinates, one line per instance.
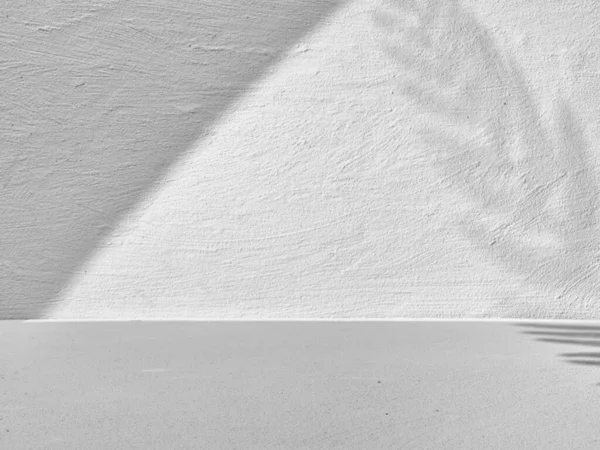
(532, 196)
(581, 335)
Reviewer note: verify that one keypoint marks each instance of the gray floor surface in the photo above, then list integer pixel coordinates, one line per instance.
(299, 385)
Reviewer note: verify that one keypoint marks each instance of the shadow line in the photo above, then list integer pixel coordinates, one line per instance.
(99, 102)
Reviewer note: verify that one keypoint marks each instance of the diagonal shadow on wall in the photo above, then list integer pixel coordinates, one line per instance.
(530, 194)
(99, 98)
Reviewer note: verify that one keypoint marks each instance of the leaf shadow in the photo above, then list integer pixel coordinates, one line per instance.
(572, 334)
(530, 191)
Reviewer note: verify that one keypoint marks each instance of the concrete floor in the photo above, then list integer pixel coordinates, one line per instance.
(299, 385)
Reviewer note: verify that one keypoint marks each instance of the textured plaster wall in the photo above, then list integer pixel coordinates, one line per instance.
(296, 158)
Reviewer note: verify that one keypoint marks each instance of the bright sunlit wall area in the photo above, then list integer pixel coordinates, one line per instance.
(299, 159)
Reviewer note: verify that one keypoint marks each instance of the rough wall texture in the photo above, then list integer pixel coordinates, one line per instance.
(269, 158)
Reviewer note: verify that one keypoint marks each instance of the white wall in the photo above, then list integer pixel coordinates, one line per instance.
(300, 159)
